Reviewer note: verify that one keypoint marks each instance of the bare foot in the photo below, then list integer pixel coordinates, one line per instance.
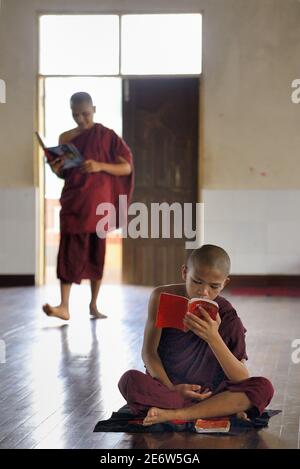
(60, 312)
(242, 416)
(156, 415)
(96, 314)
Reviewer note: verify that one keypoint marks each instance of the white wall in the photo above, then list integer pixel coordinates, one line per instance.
(259, 229)
(18, 215)
(251, 57)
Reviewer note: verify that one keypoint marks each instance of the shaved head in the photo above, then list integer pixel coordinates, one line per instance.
(81, 97)
(210, 256)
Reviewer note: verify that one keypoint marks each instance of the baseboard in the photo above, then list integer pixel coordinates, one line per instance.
(264, 281)
(236, 281)
(17, 280)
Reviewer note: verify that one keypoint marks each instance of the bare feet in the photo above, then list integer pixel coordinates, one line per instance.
(60, 311)
(95, 313)
(243, 416)
(156, 415)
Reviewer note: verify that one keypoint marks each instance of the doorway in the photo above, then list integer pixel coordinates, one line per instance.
(107, 96)
(115, 54)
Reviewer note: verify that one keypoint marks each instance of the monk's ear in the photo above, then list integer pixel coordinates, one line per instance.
(94, 109)
(226, 282)
(184, 270)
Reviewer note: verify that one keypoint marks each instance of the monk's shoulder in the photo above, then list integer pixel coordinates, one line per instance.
(107, 132)
(65, 137)
(229, 315)
(104, 129)
(225, 307)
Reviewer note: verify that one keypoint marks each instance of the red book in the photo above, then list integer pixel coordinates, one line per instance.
(173, 308)
(218, 425)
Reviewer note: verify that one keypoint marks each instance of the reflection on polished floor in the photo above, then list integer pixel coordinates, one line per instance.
(59, 379)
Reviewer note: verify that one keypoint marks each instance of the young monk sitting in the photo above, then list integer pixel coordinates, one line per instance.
(200, 373)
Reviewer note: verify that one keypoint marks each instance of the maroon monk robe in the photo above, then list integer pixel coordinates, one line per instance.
(81, 252)
(188, 359)
(80, 256)
(82, 193)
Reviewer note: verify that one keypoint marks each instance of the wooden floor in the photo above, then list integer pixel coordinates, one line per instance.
(60, 379)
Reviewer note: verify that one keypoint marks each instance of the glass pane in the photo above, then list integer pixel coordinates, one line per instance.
(107, 97)
(161, 44)
(79, 45)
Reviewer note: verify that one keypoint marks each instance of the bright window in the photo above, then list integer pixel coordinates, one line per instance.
(79, 44)
(107, 97)
(161, 44)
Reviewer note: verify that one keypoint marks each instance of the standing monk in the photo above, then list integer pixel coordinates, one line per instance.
(106, 173)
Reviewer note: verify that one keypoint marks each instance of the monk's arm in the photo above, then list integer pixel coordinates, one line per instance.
(152, 336)
(121, 168)
(207, 329)
(234, 369)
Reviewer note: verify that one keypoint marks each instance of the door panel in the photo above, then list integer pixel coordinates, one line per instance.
(160, 124)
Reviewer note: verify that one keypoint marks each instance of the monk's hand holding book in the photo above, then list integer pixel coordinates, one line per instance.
(204, 327)
(91, 166)
(192, 391)
(57, 165)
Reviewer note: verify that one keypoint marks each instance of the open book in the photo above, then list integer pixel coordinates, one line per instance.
(67, 152)
(173, 308)
(218, 425)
